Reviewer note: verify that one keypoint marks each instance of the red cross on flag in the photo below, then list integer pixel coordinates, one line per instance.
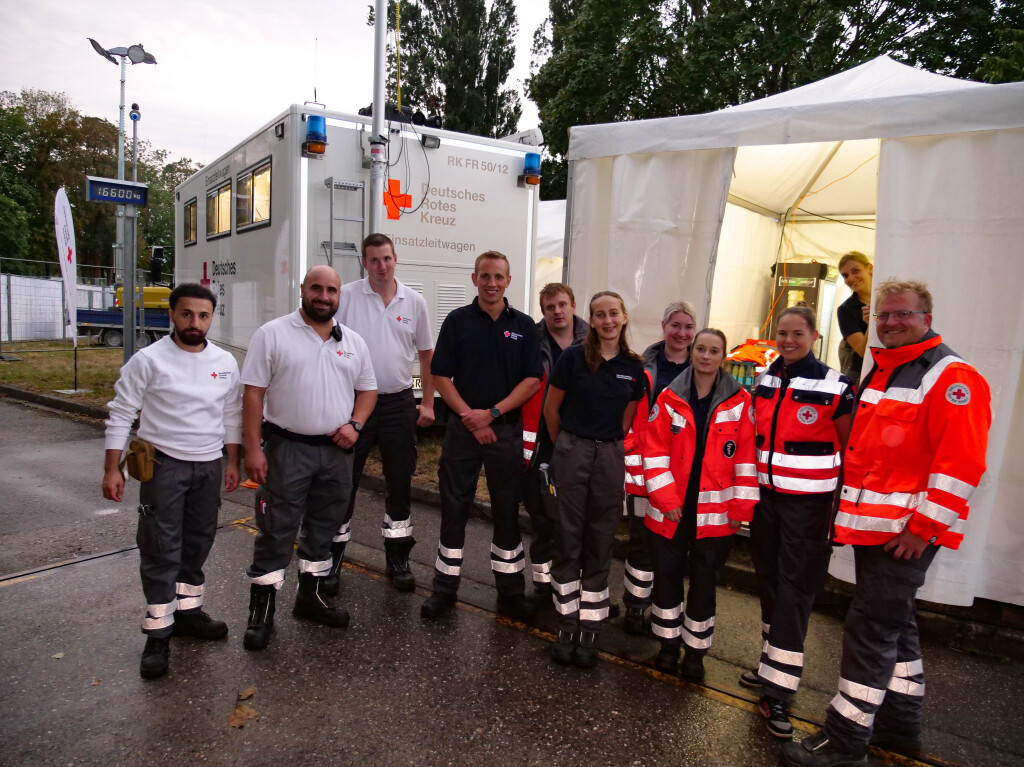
(64, 228)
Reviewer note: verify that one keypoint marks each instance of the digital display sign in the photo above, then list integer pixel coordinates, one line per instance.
(112, 190)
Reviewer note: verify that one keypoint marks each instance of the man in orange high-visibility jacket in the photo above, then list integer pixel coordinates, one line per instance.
(915, 454)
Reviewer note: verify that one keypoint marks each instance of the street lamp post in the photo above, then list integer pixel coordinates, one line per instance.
(136, 54)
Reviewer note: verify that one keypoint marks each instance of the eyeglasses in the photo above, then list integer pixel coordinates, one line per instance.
(898, 316)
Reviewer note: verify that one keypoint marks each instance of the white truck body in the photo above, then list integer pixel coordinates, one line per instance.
(256, 219)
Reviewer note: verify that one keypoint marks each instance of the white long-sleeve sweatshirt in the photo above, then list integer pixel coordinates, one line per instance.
(191, 402)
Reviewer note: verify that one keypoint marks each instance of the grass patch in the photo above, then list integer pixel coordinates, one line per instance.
(46, 366)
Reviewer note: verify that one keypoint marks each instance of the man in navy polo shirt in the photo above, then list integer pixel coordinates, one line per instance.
(486, 365)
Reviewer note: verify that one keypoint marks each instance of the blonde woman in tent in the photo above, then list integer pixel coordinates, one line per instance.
(700, 473)
(802, 409)
(857, 273)
(663, 361)
(592, 397)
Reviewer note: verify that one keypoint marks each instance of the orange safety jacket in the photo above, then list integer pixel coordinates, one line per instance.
(798, 449)
(533, 409)
(917, 447)
(728, 476)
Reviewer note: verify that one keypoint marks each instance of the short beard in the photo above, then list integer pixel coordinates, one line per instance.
(316, 313)
(187, 336)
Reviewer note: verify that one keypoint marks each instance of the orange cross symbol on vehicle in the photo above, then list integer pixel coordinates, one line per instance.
(394, 200)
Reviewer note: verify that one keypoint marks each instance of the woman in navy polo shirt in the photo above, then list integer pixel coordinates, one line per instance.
(592, 397)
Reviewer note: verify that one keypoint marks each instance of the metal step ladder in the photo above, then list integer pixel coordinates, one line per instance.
(330, 247)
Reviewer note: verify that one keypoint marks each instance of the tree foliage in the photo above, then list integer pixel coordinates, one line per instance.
(613, 60)
(456, 56)
(46, 144)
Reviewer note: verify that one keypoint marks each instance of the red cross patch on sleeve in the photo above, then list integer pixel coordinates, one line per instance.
(958, 393)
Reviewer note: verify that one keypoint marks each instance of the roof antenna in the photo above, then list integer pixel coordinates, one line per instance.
(316, 42)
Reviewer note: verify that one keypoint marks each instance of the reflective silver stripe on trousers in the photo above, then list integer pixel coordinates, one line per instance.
(567, 608)
(593, 614)
(593, 596)
(765, 628)
(401, 529)
(787, 461)
(908, 668)
(507, 553)
(906, 687)
(694, 642)
(871, 524)
(745, 470)
(788, 657)
(667, 613)
(786, 681)
(159, 616)
(940, 514)
(693, 625)
(660, 462)
(316, 568)
(450, 553)
(565, 589)
(801, 485)
(443, 567)
(275, 579)
(542, 567)
(633, 460)
(640, 575)
(641, 592)
(951, 485)
(851, 712)
(666, 632)
(500, 566)
(862, 692)
(732, 414)
(344, 533)
(660, 481)
(188, 590)
(640, 506)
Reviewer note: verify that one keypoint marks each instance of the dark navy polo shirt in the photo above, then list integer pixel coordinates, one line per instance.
(594, 402)
(486, 359)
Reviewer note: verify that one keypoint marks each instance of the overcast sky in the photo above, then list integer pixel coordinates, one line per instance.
(224, 68)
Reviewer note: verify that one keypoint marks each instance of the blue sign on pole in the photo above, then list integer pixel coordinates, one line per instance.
(119, 192)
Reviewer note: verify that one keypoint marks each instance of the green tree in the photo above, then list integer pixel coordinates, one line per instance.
(456, 56)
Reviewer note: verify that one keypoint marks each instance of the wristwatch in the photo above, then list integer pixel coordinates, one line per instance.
(495, 413)
(356, 425)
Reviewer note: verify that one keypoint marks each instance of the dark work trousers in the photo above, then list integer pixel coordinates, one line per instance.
(457, 472)
(392, 428)
(542, 506)
(881, 677)
(177, 524)
(305, 493)
(589, 480)
(693, 623)
(789, 543)
(639, 573)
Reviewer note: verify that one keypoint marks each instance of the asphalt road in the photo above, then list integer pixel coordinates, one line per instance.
(389, 689)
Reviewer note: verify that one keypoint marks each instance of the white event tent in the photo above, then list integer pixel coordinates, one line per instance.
(924, 173)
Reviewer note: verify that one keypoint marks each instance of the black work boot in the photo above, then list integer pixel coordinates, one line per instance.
(692, 667)
(396, 552)
(313, 604)
(518, 606)
(199, 625)
(437, 605)
(668, 658)
(332, 581)
(633, 623)
(564, 649)
(262, 600)
(818, 751)
(155, 657)
(586, 652)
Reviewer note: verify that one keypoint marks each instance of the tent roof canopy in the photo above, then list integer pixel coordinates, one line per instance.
(879, 99)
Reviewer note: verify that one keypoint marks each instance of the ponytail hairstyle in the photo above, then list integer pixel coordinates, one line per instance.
(592, 344)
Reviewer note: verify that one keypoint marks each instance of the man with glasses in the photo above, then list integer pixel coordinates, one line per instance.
(915, 454)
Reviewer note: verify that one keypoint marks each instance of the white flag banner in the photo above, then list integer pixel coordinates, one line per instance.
(65, 231)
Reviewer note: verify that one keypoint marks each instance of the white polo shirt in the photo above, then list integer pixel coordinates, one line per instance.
(310, 383)
(394, 333)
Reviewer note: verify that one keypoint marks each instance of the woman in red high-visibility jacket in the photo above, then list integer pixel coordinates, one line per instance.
(702, 483)
(802, 409)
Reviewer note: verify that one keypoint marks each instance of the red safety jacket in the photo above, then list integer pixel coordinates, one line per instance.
(533, 409)
(634, 442)
(798, 450)
(728, 477)
(917, 447)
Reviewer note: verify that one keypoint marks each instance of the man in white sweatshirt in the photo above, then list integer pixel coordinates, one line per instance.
(190, 400)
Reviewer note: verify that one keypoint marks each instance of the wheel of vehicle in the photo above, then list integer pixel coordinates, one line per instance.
(142, 340)
(113, 338)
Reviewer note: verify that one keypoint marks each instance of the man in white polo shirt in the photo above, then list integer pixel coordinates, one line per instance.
(394, 322)
(190, 401)
(318, 385)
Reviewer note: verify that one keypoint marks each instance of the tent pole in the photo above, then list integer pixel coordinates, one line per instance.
(567, 240)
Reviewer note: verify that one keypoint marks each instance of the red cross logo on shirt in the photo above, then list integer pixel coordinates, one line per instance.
(394, 200)
(213, 375)
(339, 352)
(398, 319)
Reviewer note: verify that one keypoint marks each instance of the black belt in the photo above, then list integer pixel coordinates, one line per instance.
(317, 440)
(395, 395)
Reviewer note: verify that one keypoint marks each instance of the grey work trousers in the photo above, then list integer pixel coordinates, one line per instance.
(305, 493)
(589, 479)
(177, 524)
